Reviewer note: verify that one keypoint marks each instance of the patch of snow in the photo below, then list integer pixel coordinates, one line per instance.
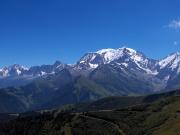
(93, 57)
(93, 65)
(43, 73)
(166, 78)
(113, 54)
(125, 64)
(82, 61)
(25, 68)
(132, 51)
(105, 51)
(18, 71)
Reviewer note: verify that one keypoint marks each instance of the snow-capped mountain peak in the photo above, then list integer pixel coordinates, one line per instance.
(169, 67)
(121, 56)
(172, 61)
(12, 70)
(110, 54)
(94, 59)
(136, 60)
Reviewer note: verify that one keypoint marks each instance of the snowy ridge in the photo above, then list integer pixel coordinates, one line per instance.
(36, 71)
(14, 70)
(169, 67)
(124, 57)
(104, 56)
(172, 61)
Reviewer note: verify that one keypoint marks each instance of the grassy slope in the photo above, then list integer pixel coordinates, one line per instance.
(158, 118)
(172, 125)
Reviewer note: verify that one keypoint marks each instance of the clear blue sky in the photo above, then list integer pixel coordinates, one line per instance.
(34, 32)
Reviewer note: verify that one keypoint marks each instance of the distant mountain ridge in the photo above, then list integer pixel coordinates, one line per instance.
(126, 59)
(18, 70)
(17, 75)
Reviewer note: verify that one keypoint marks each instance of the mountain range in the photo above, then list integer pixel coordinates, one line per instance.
(107, 72)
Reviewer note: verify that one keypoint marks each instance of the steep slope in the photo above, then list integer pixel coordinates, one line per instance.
(169, 70)
(115, 80)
